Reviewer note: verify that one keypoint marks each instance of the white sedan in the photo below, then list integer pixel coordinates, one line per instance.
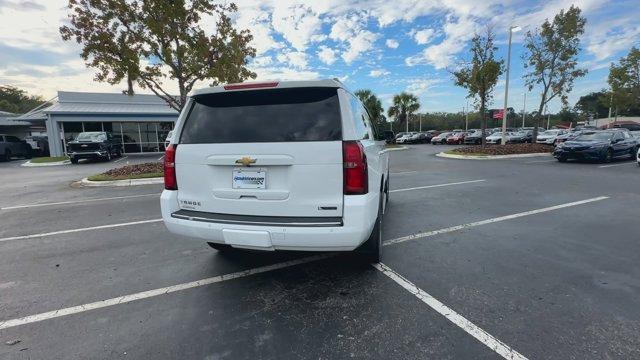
(549, 137)
(496, 137)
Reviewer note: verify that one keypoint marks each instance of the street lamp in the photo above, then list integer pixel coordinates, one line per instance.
(512, 29)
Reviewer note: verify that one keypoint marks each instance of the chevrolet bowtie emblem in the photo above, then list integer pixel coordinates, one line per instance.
(246, 161)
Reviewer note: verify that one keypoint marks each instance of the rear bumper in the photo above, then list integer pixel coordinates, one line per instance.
(359, 214)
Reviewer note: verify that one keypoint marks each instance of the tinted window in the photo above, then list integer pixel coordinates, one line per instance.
(12, 139)
(360, 126)
(278, 115)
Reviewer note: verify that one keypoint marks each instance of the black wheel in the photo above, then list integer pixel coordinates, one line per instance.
(74, 160)
(609, 156)
(633, 152)
(7, 155)
(108, 157)
(118, 153)
(562, 159)
(221, 247)
(371, 250)
(386, 192)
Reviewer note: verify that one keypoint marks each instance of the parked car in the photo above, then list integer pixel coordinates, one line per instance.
(12, 146)
(598, 145)
(241, 174)
(520, 137)
(401, 134)
(549, 136)
(567, 136)
(419, 138)
(406, 138)
(496, 138)
(39, 144)
(441, 138)
(475, 138)
(94, 145)
(389, 136)
(456, 138)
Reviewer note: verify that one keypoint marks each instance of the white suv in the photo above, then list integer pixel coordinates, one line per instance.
(293, 165)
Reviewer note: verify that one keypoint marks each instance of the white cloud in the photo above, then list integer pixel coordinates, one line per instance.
(421, 86)
(326, 54)
(297, 23)
(424, 36)
(351, 31)
(378, 73)
(457, 33)
(392, 43)
(284, 73)
(297, 59)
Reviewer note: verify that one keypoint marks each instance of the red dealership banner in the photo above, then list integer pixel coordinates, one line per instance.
(498, 114)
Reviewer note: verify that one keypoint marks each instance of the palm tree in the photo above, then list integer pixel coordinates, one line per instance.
(404, 105)
(373, 105)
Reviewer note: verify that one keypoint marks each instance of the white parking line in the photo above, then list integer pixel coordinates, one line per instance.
(404, 173)
(122, 158)
(111, 226)
(161, 157)
(152, 293)
(470, 328)
(619, 164)
(77, 201)
(490, 221)
(438, 185)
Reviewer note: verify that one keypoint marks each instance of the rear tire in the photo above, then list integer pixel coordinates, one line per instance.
(74, 160)
(371, 250)
(7, 155)
(562, 159)
(609, 156)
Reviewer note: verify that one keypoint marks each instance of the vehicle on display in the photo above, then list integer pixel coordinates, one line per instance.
(389, 136)
(496, 137)
(441, 138)
(520, 137)
(549, 136)
(567, 136)
(474, 138)
(406, 138)
(94, 145)
(39, 144)
(456, 138)
(12, 146)
(241, 174)
(401, 134)
(419, 138)
(601, 146)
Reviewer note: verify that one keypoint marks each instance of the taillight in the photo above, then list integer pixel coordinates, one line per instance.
(355, 168)
(170, 181)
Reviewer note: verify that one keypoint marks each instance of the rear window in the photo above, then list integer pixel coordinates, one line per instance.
(277, 115)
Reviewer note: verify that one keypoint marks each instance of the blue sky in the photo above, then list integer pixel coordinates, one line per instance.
(387, 46)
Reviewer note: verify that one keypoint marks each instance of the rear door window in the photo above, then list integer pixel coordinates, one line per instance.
(277, 115)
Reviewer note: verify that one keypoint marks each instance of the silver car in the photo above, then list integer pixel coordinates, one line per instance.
(549, 137)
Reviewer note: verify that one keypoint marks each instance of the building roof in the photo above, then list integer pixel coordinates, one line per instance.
(104, 103)
(8, 122)
(32, 116)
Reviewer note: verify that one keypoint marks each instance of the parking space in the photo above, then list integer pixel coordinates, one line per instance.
(519, 258)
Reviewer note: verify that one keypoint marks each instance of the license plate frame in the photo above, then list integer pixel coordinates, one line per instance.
(253, 179)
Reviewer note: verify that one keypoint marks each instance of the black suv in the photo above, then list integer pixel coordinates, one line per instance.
(94, 145)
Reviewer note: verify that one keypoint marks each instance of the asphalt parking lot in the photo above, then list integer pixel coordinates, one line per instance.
(522, 258)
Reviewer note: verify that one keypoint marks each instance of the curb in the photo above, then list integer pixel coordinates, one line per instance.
(130, 182)
(397, 148)
(56, 163)
(490, 157)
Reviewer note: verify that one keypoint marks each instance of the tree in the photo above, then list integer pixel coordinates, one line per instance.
(480, 76)
(404, 104)
(624, 79)
(151, 41)
(593, 105)
(105, 27)
(551, 58)
(373, 105)
(18, 101)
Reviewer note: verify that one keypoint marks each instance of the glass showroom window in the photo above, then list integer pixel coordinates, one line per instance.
(131, 137)
(149, 137)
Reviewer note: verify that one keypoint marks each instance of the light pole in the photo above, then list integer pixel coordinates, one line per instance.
(512, 29)
(524, 108)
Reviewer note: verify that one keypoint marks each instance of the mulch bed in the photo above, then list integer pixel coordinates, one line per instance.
(507, 149)
(138, 169)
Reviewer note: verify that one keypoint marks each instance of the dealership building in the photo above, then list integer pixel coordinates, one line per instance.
(141, 122)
